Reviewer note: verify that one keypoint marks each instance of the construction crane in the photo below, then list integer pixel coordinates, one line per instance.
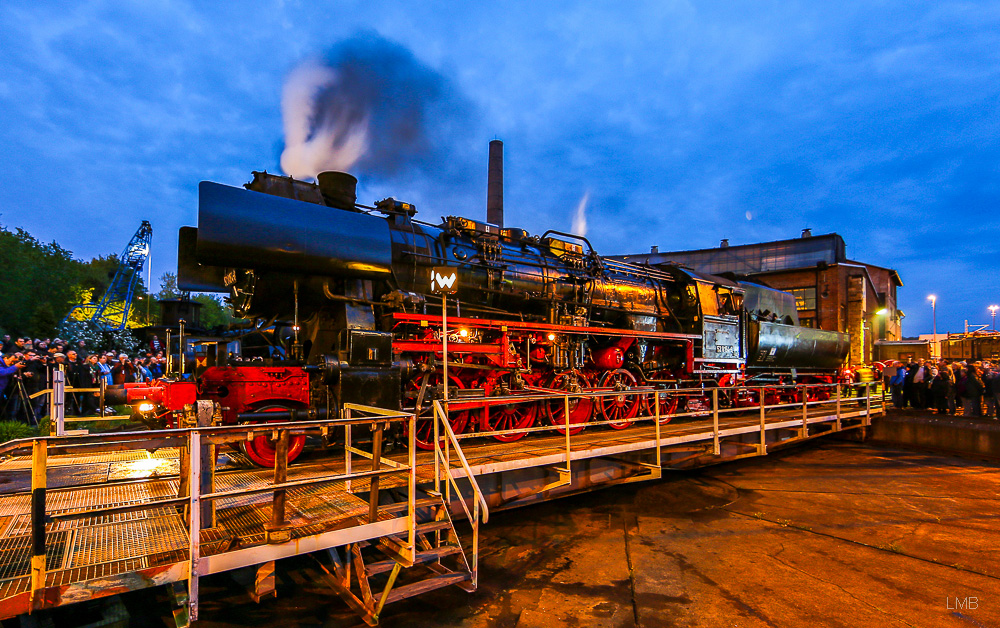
(112, 312)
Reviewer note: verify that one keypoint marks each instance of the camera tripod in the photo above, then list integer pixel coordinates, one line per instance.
(19, 398)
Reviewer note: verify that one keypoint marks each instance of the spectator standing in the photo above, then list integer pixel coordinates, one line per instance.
(143, 370)
(996, 391)
(911, 371)
(960, 380)
(34, 381)
(89, 377)
(9, 365)
(989, 377)
(123, 372)
(74, 372)
(896, 384)
(939, 391)
(105, 369)
(973, 404)
(919, 399)
(155, 368)
(949, 373)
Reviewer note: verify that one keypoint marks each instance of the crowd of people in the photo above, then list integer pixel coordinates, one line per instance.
(27, 365)
(944, 387)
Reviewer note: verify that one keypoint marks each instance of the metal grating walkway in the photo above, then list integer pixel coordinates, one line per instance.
(148, 547)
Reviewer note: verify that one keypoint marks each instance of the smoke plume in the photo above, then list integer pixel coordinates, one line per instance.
(368, 106)
(580, 217)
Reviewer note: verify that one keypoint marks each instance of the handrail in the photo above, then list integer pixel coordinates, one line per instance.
(138, 437)
(196, 494)
(439, 413)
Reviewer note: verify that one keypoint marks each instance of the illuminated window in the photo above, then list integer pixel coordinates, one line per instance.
(805, 298)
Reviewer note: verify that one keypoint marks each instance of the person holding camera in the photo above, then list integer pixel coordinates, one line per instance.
(9, 365)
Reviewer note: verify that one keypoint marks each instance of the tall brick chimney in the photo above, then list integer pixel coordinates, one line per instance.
(494, 185)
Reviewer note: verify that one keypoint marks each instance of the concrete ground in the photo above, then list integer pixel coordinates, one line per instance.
(829, 534)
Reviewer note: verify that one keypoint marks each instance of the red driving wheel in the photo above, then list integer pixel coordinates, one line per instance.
(669, 401)
(510, 416)
(619, 409)
(581, 409)
(263, 449)
(424, 436)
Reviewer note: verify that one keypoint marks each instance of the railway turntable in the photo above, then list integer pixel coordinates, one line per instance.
(84, 517)
(106, 514)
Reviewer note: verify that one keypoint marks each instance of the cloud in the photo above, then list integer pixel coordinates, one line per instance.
(878, 121)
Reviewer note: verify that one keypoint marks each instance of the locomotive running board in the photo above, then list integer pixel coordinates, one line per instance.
(503, 325)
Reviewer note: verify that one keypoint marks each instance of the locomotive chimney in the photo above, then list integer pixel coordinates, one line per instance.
(807, 233)
(339, 189)
(494, 185)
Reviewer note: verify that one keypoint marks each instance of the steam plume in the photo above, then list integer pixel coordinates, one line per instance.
(580, 217)
(316, 139)
(368, 106)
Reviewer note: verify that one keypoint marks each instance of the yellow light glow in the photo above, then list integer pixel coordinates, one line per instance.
(145, 465)
(552, 337)
(367, 268)
(464, 333)
(146, 407)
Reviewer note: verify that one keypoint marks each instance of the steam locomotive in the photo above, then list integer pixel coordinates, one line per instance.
(530, 315)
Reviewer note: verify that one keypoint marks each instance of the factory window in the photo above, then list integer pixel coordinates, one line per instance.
(805, 298)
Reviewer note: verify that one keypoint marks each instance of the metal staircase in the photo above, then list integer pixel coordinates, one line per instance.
(369, 575)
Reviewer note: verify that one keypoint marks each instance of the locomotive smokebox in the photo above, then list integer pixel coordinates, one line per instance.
(339, 189)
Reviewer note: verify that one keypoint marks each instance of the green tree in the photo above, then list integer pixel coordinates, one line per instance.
(168, 287)
(38, 285)
(214, 312)
(42, 282)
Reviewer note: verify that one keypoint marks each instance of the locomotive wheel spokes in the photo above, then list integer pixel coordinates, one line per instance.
(263, 448)
(510, 416)
(581, 409)
(424, 435)
(669, 400)
(619, 409)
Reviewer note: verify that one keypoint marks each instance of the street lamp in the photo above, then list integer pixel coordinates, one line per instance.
(933, 299)
(993, 312)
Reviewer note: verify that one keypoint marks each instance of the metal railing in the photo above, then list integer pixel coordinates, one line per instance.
(442, 464)
(196, 497)
(57, 404)
(653, 403)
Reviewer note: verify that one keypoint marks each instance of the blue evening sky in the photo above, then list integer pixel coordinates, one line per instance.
(680, 122)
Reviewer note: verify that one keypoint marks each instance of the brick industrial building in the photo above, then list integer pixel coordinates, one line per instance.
(831, 291)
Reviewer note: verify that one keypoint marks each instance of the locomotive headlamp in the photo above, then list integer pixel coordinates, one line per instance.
(146, 407)
(551, 337)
